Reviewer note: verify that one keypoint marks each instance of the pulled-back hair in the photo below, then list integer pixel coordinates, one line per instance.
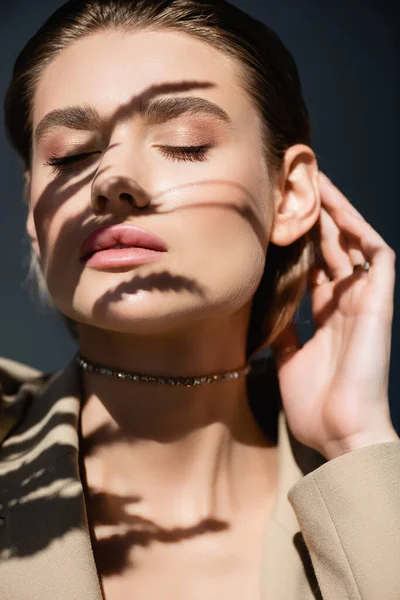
(270, 77)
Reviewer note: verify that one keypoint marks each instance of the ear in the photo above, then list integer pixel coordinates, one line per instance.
(298, 201)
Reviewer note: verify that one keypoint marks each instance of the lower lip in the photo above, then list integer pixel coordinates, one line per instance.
(121, 257)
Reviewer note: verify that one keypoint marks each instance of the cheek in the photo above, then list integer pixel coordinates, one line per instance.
(224, 252)
(55, 219)
(44, 229)
(31, 230)
(41, 215)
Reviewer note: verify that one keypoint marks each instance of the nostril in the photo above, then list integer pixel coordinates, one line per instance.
(125, 196)
(99, 204)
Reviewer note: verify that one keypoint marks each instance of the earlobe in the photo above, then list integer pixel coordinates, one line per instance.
(298, 202)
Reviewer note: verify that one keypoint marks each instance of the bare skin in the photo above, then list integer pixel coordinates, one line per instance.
(181, 482)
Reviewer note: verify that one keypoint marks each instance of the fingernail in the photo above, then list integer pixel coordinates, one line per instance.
(321, 277)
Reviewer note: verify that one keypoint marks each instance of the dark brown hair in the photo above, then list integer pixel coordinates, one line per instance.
(268, 74)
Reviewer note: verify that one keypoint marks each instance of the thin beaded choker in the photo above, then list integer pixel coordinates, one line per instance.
(87, 365)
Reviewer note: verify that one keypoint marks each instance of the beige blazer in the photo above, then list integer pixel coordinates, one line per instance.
(334, 534)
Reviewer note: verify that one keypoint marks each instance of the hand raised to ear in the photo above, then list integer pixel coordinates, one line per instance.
(335, 388)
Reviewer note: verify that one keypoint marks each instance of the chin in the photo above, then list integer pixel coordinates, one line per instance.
(138, 314)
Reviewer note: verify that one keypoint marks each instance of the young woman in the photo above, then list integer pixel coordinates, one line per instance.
(177, 215)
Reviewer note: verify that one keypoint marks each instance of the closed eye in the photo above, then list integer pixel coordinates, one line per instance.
(186, 153)
(62, 164)
(177, 153)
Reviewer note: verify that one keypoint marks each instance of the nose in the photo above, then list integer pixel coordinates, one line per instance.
(117, 194)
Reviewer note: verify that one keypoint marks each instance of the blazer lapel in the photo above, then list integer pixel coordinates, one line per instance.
(45, 546)
(287, 570)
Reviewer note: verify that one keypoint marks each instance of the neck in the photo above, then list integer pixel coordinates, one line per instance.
(185, 453)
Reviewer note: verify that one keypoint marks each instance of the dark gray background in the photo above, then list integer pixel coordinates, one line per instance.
(347, 55)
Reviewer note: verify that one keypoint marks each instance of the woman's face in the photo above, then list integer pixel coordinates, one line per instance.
(213, 211)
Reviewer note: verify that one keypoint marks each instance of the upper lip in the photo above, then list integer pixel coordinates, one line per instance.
(124, 233)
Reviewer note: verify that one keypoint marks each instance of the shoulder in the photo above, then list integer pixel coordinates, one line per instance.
(14, 372)
(18, 383)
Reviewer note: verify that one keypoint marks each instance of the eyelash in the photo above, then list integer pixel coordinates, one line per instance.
(175, 153)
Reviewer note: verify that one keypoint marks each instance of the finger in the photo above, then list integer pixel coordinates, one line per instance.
(376, 251)
(356, 255)
(333, 199)
(317, 277)
(334, 248)
(331, 196)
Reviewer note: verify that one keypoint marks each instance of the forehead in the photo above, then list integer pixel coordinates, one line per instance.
(107, 69)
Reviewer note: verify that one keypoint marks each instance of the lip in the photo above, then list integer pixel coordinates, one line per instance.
(121, 258)
(105, 238)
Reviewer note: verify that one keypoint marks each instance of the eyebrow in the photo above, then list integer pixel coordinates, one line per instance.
(155, 112)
